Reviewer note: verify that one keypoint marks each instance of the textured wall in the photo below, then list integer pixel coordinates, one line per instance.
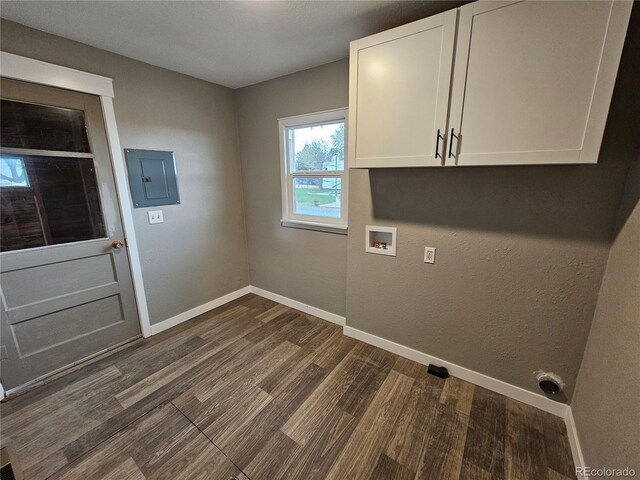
(199, 252)
(521, 252)
(307, 266)
(606, 404)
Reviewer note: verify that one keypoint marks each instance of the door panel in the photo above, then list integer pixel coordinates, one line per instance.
(526, 81)
(153, 168)
(27, 285)
(45, 332)
(66, 292)
(400, 92)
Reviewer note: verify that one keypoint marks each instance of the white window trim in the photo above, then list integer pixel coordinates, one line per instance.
(307, 222)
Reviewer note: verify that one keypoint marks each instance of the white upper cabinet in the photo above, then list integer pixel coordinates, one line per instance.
(532, 83)
(399, 94)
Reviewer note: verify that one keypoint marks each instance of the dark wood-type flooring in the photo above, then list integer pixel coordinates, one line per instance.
(260, 391)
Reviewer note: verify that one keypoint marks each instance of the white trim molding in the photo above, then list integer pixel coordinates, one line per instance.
(303, 307)
(199, 310)
(490, 383)
(495, 385)
(35, 71)
(574, 442)
(320, 227)
(218, 302)
(288, 175)
(124, 200)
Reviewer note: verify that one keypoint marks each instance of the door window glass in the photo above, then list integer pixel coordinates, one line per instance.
(42, 127)
(13, 172)
(46, 197)
(55, 200)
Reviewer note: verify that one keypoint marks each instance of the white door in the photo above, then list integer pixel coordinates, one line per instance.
(399, 93)
(533, 81)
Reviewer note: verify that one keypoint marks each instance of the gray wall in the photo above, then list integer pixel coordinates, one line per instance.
(606, 405)
(199, 253)
(521, 252)
(307, 266)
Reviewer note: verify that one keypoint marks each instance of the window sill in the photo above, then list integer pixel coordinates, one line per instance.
(319, 227)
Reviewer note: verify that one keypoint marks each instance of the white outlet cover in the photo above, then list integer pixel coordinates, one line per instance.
(155, 216)
(429, 255)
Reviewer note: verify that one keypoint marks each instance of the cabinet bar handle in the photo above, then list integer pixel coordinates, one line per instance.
(438, 137)
(451, 144)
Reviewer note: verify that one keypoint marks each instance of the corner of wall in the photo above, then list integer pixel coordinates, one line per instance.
(236, 103)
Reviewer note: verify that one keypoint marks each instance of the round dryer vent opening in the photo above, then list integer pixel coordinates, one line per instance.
(549, 383)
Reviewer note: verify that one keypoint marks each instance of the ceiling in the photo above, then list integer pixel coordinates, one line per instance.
(232, 43)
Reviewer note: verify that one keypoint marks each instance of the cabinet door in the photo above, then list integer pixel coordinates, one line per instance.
(399, 92)
(533, 81)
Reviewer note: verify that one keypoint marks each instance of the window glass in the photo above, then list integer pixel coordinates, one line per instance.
(48, 201)
(318, 147)
(317, 196)
(42, 127)
(13, 172)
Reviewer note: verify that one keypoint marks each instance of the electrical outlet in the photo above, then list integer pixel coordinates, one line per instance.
(155, 216)
(429, 255)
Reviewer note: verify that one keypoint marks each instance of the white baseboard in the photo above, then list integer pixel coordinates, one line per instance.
(303, 307)
(199, 310)
(498, 386)
(574, 442)
(511, 391)
(218, 302)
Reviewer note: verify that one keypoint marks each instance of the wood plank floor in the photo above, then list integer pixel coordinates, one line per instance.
(260, 391)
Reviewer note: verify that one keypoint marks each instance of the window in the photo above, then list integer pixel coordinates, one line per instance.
(48, 186)
(42, 127)
(314, 174)
(13, 172)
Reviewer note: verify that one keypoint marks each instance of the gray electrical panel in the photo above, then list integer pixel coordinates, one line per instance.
(152, 177)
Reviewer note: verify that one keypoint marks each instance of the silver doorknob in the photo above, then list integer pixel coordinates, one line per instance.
(117, 244)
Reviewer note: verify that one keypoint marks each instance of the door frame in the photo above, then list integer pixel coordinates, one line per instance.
(49, 74)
